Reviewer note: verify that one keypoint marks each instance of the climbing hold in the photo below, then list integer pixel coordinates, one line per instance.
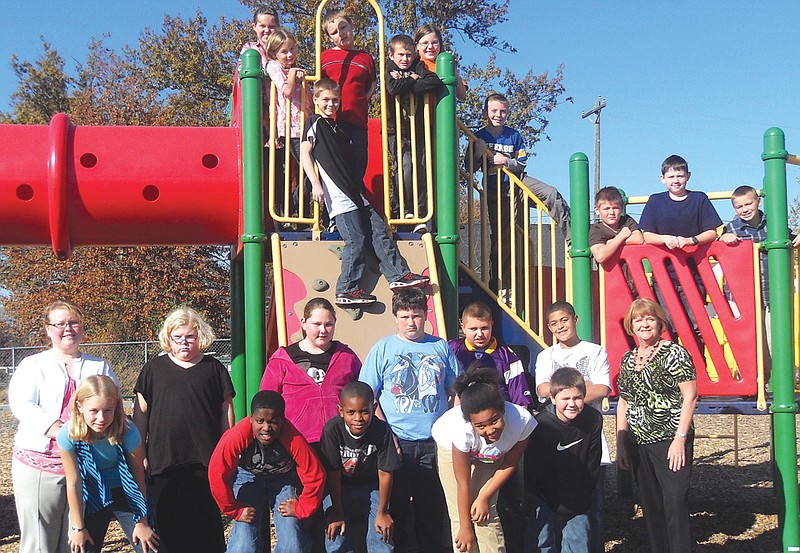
(337, 251)
(354, 312)
(320, 284)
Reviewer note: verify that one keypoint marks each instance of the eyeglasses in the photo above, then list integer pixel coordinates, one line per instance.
(184, 339)
(433, 44)
(64, 324)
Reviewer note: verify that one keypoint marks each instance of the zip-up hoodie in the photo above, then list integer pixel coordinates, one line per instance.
(310, 405)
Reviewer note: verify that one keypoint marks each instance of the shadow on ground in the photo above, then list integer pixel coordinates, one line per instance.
(732, 509)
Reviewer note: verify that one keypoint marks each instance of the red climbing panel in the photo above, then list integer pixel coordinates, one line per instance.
(740, 332)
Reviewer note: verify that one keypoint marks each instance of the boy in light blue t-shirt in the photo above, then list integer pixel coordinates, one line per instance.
(411, 373)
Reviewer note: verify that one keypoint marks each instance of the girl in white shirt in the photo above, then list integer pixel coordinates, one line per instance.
(479, 443)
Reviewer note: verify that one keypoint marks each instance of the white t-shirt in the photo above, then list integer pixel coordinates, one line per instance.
(590, 359)
(452, 430)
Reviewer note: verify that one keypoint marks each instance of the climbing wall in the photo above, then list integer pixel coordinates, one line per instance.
(305, 269)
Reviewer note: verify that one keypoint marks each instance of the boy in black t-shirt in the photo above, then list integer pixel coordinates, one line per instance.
(325, 148)
(359, 453)
(562, 463)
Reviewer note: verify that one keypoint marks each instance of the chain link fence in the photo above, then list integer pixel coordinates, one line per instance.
(126, 358)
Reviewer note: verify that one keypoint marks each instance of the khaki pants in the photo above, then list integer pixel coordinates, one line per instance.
(41, 499)
(490, 533)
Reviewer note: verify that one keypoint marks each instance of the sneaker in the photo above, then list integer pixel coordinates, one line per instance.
(505, 296)
(408, 281)
(421, 228)
(356, 297)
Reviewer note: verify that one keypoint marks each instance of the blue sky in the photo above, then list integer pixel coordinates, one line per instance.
(703, 79)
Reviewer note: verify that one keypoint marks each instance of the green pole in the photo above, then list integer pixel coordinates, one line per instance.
(253, 237)
(447, 190)
(238, 371)
(579, 252)
(784, 406)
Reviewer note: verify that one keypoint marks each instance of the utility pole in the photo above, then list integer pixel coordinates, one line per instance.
(598, 107)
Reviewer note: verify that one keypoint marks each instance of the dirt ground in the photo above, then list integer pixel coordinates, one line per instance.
(733, 508)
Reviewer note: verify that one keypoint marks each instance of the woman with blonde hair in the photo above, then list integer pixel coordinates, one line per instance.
(655, 434)
(183, 405)
(102, 456)
(40, 395)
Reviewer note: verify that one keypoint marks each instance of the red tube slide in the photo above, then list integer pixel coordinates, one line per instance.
(71, 186)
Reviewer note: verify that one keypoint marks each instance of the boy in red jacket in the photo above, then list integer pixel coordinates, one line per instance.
(261, 461)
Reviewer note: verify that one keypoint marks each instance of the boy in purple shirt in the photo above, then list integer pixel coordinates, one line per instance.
(479, 346)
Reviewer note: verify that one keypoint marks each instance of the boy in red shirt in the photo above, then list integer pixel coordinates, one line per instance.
(260, 462)
(354, 71)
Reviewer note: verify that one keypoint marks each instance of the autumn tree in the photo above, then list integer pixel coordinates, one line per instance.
(192, 64)
(794, 211)
(126, 292)
(43, 90)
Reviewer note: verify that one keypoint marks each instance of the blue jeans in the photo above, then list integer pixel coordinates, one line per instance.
(549, 532)
(259, 491)
(360, 499)
(97, 523)
(359, 229)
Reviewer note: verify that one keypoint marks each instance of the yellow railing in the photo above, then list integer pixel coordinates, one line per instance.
(796, 307)
(289, 201)
(406, 143)
(539, 267)
(293, 206)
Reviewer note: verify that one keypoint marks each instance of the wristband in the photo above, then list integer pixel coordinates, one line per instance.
(695, 241)
(76, 529)
(680, 434)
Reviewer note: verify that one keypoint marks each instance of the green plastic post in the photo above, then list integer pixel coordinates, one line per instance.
(784, 406)
(253, 238)
(238, 370)
(579, 252)
(447, 190)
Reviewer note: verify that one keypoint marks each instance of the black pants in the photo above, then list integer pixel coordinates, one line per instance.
(187, 517)
(418, 477)
(664, 495)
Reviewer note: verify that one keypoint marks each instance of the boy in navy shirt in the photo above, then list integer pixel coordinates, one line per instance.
(676, 219)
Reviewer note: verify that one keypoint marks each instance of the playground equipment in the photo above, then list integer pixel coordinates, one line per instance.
(72, 186)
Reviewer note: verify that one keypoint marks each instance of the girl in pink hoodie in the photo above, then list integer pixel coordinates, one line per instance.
(309, 374)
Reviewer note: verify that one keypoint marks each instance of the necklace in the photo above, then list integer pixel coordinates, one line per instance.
(642, 360)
